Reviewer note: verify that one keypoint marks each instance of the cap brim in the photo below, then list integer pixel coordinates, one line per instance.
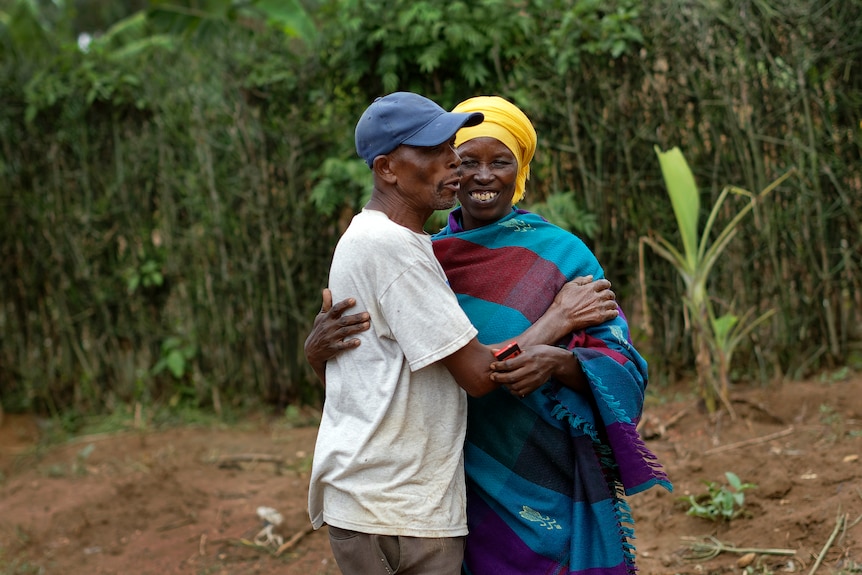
(443, 128)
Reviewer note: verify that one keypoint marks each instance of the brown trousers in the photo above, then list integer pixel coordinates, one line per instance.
(366, 554)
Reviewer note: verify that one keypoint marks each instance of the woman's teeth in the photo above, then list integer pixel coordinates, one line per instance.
(483, 196)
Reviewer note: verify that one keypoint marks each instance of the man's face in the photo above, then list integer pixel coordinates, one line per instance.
(428, 177)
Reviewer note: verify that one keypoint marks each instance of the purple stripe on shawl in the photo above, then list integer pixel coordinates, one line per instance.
(639, 468)
(500, 551)
(510, 555)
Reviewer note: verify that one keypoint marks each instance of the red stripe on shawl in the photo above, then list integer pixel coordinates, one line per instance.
(583, 339)
(473, 270)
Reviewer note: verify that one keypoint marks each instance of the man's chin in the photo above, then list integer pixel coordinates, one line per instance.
(444, 204)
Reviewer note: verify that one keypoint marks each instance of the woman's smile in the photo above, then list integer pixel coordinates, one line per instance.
(483, 195)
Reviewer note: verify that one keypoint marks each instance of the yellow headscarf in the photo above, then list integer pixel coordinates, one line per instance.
(507, 123)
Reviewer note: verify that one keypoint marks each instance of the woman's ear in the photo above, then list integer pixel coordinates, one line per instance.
(384, 166)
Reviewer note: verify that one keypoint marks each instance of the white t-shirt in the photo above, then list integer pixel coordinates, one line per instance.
(388, 458)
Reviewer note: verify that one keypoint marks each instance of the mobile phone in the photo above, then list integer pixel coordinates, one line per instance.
(510, 350)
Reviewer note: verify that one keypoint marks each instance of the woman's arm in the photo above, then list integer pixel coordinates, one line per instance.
(580, 303)
(525, 373)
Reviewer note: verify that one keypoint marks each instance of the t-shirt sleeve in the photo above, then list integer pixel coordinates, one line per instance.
(424, 316)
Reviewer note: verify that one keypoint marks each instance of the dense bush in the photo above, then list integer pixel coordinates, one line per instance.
(173, 191)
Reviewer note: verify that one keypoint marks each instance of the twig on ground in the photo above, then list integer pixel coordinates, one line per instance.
(661, 427)
(187, 520)
(679, 415)
(759, 407)
(93, 437)
(712, 547)
(839, 524)
(748, 442)
(234, 460)
(294, 540)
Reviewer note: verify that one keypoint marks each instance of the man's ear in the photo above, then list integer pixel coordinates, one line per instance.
(384, 167)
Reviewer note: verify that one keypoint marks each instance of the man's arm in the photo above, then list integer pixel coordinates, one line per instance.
(580, 303)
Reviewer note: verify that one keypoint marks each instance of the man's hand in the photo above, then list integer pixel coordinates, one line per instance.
(331, 330)
(586, 303)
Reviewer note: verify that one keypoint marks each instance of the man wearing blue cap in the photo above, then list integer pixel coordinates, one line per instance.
(388, 474)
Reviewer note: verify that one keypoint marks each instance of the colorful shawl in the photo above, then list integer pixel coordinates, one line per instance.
(546, 474)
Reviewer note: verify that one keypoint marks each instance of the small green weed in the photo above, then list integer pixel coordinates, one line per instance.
(78, 467)
(298, 417)
(720, 502)
(16, 567)
(841, 374)
(828, 415)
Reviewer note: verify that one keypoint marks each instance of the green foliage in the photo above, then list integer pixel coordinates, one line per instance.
(339, 182)
(109, 69)
(148, 275)
(453, 48)
(189, 170)
(176, 355)
(563, 209)
(25, 32)
(592, 28)
(206, 21)
(720, 502)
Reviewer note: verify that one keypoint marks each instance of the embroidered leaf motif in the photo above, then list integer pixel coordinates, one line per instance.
(536, 517)
(517, 226)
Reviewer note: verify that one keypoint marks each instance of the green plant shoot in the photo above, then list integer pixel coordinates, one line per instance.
(720, 502)
(714, 337)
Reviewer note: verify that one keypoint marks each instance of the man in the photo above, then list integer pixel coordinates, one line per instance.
(388, 473)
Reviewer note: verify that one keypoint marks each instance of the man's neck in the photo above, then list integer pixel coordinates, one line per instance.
(397, 213)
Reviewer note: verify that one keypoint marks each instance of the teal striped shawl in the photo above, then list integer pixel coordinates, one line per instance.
(547, 475)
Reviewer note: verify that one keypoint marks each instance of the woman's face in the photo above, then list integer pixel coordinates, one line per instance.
(489, 171)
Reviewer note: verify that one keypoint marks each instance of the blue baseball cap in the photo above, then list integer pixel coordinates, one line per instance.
(406, 118)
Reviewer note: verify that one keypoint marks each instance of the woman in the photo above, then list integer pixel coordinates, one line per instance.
(546, 471)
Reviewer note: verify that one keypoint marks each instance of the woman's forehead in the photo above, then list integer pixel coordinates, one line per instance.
(485, 144)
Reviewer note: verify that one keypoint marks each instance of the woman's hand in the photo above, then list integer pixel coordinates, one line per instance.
(580, 303)
(586, 303)
(331, 330)
(535, 365)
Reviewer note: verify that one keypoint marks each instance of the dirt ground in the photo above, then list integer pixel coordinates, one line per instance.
(185, 500)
